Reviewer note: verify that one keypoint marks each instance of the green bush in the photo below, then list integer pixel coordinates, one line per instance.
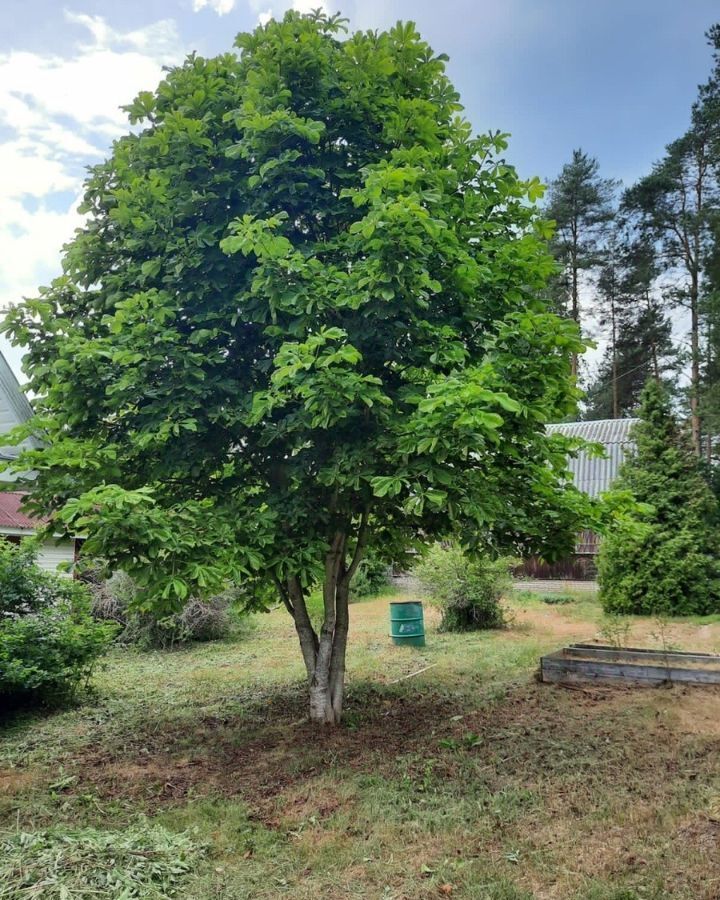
(370, 578)
(49, 641)
(665, 560)
(117, 600)
(467, 591)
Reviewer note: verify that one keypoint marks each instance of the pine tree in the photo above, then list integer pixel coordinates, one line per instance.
(708, 107)
(676, 207)
(667, 559)
(641, 269)
(709, 405)
(610, 312)
(616, 389)
(581, 204)
(639, 331)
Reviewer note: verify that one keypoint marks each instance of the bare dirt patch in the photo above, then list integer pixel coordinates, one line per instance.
(570, 746)
(552, 622)
(697, 710)
(259, 759)
(14, 781)
(562, 625)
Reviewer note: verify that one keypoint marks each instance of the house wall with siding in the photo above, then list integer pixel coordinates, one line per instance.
(52, 553)
(14, 410)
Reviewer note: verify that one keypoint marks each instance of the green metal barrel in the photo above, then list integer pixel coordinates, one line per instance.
(406, 624)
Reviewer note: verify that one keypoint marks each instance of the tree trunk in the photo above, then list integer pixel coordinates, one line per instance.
(324, 654)
(653, 343)
(575, 299)
(695, 266)
(615, 385)
(695, 426)
(327, 682)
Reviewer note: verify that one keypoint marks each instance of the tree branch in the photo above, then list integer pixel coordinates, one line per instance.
(284, 595)
(359, 546)
(309, 642)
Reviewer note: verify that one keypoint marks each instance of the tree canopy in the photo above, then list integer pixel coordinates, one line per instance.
(303, 317)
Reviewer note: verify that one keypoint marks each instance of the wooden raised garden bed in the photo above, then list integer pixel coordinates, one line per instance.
(594, 662)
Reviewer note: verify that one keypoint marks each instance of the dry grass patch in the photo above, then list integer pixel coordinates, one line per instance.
(470, 780)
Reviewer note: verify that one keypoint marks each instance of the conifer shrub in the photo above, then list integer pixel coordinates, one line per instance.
(665, 559)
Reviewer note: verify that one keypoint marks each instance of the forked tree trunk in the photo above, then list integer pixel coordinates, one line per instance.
(324, 653)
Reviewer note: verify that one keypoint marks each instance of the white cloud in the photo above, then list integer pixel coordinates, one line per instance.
(278, 7)
(27, 168)
(60, 113)
(306, 6)
(221, 7)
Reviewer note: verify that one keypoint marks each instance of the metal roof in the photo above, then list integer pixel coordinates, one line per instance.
(593, 475)
(11, 516)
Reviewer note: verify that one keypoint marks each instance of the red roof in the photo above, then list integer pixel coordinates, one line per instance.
(11, 515)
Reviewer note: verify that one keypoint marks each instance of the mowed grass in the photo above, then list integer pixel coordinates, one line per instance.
(468, 780)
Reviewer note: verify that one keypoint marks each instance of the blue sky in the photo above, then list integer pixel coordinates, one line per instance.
(616, 78)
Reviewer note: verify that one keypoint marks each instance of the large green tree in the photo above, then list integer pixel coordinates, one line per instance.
(301, 319)
(708, 109)
(666, 559)
(675, 206)
(581, 203)
(639, 333)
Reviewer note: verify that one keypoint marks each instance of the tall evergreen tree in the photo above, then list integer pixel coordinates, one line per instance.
(675, 207)
(710, 370)
(640, 273)
(643, 346)
(610, 309)
(668, 559)
(638, 329)
(581, 204)
(708, 108)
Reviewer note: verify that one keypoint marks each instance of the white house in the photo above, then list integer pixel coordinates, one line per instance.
(15, 524)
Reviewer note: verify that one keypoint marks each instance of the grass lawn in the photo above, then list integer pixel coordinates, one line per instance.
(194, 774)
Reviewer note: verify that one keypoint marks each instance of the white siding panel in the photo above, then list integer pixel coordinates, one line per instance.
(52, 553)
(14, 410)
